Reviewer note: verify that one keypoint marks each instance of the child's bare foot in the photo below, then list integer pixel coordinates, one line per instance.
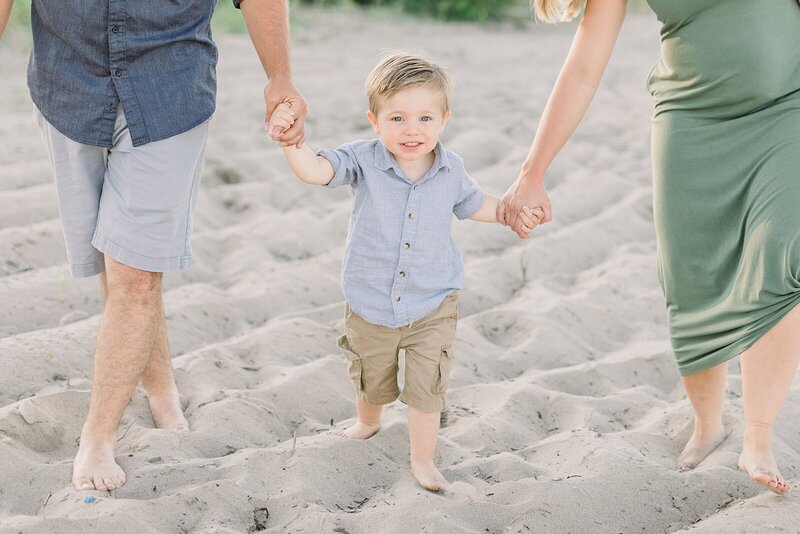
(427, 475)
(700, 445)
(758, 461)
(360, 431)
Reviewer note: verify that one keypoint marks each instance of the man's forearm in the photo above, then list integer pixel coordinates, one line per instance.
(268, 25)
(5, 13)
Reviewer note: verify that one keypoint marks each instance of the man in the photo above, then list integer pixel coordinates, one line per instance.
(123, 91)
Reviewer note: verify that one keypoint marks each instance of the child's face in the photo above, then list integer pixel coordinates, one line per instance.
(410, 122)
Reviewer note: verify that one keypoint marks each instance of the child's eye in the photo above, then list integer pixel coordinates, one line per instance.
(396, 119)
(426, 118)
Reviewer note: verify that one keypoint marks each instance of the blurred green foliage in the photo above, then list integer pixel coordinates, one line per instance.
(460, 10)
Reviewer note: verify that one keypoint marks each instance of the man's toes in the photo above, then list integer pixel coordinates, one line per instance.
(83, 484)
(109, 483)
(99, 484)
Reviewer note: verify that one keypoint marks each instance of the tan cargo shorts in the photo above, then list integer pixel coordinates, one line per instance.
(372, 352)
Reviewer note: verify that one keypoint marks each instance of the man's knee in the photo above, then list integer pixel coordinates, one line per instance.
(131, 284)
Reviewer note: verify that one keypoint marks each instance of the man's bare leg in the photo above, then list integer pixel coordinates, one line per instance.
(768, 369)
(125, 339)
(706, 392)
(159, 383)
(423, 431)
(159, 378)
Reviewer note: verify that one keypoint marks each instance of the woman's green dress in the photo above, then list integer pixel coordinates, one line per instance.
(726, 171)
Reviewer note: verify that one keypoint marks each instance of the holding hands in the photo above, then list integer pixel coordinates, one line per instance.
(282, 94)
(522, 193)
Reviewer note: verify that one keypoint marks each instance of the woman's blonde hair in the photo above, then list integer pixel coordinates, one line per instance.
(557, 10)
(402, 70)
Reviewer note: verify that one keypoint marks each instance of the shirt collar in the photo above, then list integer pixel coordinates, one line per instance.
(384, 160)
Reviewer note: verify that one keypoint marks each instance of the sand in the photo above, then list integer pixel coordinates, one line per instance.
(565, 413)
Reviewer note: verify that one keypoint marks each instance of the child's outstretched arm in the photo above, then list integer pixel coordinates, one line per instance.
(309, 167)
(488, 213)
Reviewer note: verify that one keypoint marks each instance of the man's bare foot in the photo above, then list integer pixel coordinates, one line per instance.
(758, 461)
(427, 475)
(94, 467)
(360, 431)
(700, 445)
(167, 413)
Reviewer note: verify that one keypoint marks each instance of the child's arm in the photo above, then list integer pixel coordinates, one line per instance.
(488, 213)
(309, 167)
(5, 13)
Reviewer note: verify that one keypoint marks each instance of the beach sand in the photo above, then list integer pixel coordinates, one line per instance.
(566, 411)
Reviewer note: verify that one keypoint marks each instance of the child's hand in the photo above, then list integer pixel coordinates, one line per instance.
(530, 218)
(281, 120)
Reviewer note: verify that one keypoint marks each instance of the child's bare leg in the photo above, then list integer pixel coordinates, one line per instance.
(423, 430)
(368, 422)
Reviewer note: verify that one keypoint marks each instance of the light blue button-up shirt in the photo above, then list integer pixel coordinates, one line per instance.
(400, 260)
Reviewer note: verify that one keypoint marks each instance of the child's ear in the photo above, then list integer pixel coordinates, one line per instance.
(374, 122)
(445, 119)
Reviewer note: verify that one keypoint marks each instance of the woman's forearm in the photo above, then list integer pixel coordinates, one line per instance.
(5, 13)
(576, 84)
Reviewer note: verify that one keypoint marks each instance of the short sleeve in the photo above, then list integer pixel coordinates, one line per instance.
(346, 166)
(470, 197)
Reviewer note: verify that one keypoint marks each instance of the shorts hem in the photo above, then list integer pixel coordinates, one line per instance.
(138, 261)
(386, 399)
(87, 269)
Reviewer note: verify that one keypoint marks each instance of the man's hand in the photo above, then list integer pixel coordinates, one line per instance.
(279, 91)
(523, 192)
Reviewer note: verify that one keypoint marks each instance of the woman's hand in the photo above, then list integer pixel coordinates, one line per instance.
(525, 191)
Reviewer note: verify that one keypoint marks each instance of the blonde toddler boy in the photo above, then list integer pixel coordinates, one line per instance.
(401, 270)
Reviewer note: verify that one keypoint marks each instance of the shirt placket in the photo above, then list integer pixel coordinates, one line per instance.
(119, 61)
(408, 245)
(116, 40)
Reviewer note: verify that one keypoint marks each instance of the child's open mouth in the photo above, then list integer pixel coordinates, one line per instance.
(411, 145)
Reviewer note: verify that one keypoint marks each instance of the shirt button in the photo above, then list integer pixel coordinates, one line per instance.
(117, 72)
(401, 274)
(406, 245)
(397, 298)
(114, 29)
(414, 188)
(410, 215)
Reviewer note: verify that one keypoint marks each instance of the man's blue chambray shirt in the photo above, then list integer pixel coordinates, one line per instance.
(400, 260)
(155, 57)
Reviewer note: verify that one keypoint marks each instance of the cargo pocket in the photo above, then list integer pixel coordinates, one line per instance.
(443, 374)
(354, 363)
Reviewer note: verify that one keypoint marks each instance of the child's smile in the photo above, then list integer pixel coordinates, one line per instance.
(409, 124)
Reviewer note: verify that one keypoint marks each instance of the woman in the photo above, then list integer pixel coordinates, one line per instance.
(726, 179)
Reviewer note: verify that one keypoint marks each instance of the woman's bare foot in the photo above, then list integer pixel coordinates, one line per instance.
(427, 475)
(758, 461)
(167, 413)
(360, 431)
(700, 445)
(94, 467)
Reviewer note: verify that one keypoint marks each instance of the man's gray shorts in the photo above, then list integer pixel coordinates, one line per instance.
(132, 203)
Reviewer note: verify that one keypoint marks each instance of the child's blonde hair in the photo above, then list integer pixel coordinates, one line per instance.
(402, 70)
(557, 10)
